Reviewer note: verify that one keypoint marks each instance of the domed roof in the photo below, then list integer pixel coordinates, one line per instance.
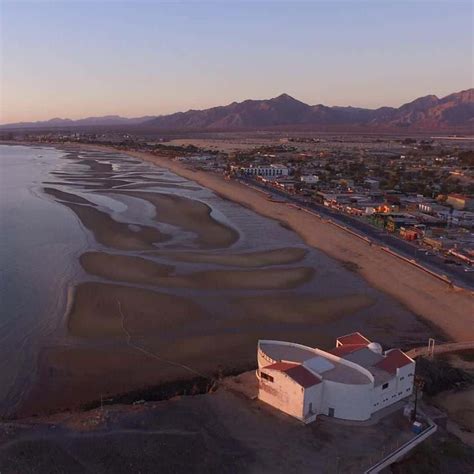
(375, 347)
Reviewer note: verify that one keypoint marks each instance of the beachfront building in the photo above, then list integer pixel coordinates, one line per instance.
(351, 381)
(270, 171)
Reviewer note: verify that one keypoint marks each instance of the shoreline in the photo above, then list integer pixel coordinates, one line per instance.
(424, 295)
(349, 249)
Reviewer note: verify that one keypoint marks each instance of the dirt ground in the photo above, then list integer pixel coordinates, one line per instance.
(221, 432)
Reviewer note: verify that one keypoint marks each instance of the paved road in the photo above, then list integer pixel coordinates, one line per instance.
(455, 273)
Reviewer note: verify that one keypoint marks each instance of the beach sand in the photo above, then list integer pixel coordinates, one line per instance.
(451, 310)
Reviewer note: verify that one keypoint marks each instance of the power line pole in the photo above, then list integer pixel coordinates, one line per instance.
(419, 384)
(431, 346)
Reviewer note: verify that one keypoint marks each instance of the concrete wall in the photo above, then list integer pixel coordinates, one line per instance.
(399, 387)
(312, 402)
(283, 393)
(349, 401)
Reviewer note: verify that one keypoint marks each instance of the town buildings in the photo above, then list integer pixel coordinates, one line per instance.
(270, 171)
(352, 381)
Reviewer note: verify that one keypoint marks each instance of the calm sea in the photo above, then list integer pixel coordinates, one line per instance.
(39, 240)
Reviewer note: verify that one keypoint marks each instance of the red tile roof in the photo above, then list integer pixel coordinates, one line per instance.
(341, 351)
(301, 375)
(354, 338)
(393, 361)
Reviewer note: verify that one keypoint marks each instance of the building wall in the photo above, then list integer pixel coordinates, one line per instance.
(283, 393)
(399, 387)
(312, 402)
(349, 401)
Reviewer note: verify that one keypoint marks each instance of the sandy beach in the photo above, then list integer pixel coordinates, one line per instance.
(450, 310)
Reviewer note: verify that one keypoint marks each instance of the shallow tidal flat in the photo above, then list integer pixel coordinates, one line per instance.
(176, 281)
(105, 310)
(140, 270)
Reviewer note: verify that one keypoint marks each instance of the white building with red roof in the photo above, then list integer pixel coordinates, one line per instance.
(351, 381)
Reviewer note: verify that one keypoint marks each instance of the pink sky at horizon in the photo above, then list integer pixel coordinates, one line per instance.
(82, 59)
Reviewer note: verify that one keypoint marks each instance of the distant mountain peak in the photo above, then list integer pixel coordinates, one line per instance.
(284, 96)
(455, 111)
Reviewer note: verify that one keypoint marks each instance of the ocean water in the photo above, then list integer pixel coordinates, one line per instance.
(40, 241)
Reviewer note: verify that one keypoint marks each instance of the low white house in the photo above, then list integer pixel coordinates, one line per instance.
(309, 179)
(351, 381)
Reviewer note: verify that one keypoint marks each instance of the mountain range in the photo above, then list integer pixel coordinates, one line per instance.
(455, 112)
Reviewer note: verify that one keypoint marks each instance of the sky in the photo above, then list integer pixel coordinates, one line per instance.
(132, 58)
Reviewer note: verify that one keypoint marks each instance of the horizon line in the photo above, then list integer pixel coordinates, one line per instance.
(148, 116)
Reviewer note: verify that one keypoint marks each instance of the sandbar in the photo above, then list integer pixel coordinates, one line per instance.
(190, 215)
(118, 235)
(248, 259)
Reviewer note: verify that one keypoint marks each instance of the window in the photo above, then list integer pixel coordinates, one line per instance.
(402, 378)
(266, 376)
(384, 386)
